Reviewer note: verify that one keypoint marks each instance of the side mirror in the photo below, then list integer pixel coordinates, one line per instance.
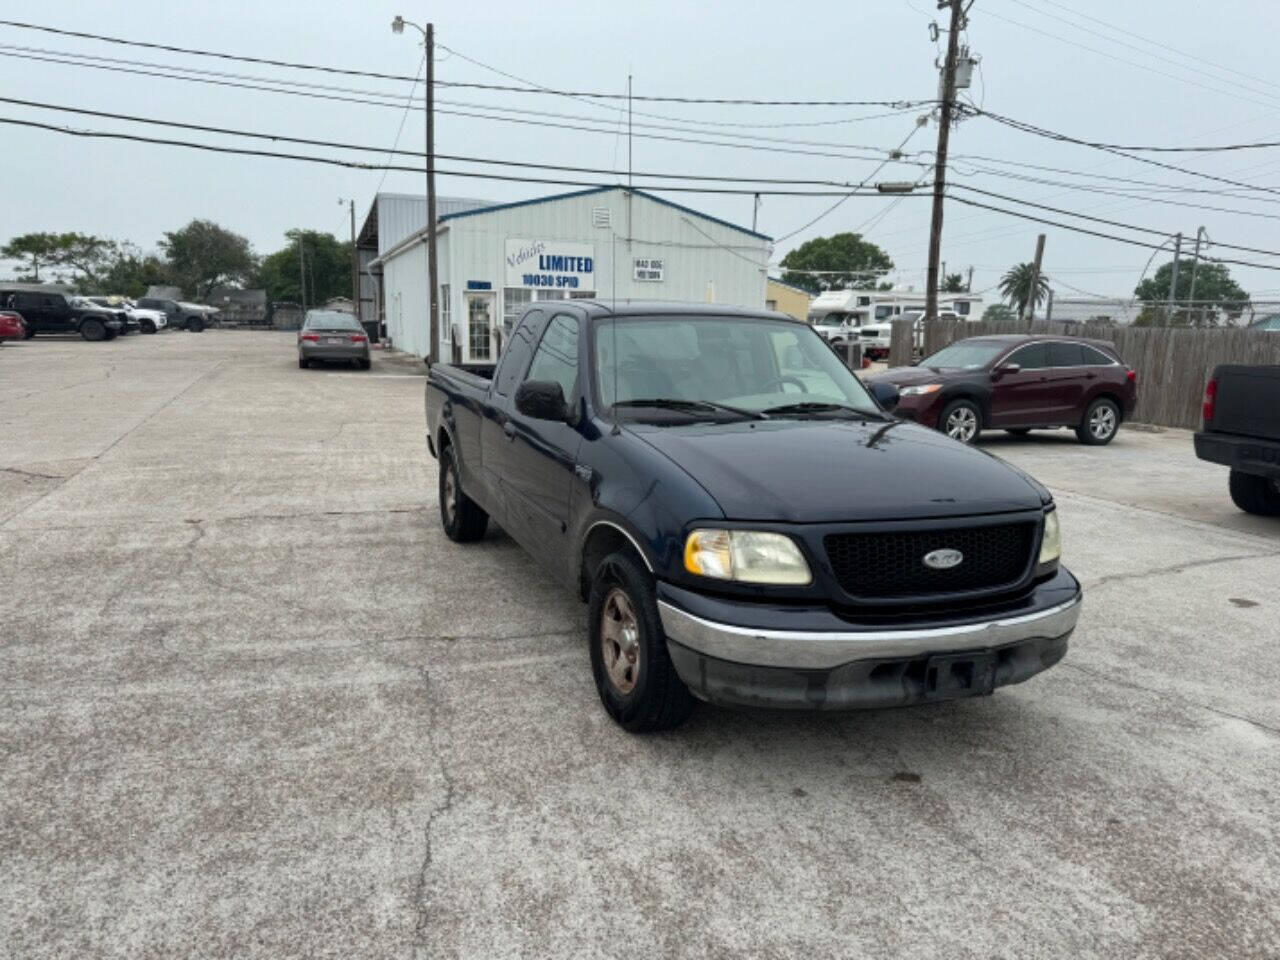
(886, 394)
(541, 400)
(1004, 368)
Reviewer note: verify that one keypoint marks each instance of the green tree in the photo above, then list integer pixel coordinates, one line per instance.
(202, 255)
(86, 257)
(328, 268)
(1219, 298)
(855, 263)
(954, 283)
(33, 250)
(999, 313)
(131, 272)
(1015, 286)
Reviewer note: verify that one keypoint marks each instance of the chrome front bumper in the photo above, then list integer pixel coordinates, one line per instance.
(814, 650)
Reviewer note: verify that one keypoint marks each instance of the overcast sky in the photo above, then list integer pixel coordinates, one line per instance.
(1212, 81)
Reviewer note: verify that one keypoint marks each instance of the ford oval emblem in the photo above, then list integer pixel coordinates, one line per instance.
(943, 559)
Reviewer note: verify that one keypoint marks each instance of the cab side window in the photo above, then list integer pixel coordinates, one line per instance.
(1034, 356)
(557, 355)
(1095, 358)
(1066, 355)
(515, 355)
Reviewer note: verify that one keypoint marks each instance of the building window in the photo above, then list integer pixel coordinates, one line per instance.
(771, 304)
(962, 307)
(479, 320)
(552, 294)
(514, 300)
(446, 313)
(582, 294)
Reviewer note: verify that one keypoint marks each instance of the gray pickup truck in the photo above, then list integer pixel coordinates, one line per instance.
(1242, 431)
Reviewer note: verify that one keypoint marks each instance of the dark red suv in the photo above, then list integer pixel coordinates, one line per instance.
(1017, 383)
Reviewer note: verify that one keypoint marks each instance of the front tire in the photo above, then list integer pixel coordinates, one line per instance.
(461, 517)
(148, 326)
(93, 330)
(195, 325)
(1254, 494)
(961, 420)
(1099, 424)
(636, 680)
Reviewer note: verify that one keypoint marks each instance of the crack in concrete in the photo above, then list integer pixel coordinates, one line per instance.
(422, 898)
(1163, 695)
(1175, 568)
(32, 473)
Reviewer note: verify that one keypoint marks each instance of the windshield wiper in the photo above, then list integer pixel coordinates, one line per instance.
(673, 403)
(811, 406)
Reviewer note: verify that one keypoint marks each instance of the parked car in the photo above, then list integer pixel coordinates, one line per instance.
(329, 335)
(1018, 383)
(119, 313)
(191, 317)
(1242, 431)
(51, 312)
(148, 321)
(746, 522)
(12, 326)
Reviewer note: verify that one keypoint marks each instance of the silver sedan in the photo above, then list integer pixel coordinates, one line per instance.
(332, 335)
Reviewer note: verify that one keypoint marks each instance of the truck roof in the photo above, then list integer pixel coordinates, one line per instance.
(597, 309)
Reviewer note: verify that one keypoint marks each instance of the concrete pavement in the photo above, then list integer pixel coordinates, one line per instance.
(255, 704)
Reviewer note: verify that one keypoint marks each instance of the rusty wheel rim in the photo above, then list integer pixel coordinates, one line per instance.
(620, 641)
(450, 499)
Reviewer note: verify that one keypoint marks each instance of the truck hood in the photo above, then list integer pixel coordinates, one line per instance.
(832, 471)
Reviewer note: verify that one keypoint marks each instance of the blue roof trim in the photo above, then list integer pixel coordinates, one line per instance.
(586, 193)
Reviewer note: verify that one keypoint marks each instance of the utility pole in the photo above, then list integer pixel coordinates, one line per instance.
(940, 161)
(1029, 308)
(434, 277)
(1173, 280)
(1195, 262)
(968, 287)
(755, 212)
(433, 281)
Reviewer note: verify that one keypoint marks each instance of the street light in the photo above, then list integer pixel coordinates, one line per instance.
(433, 287)
(896, 186)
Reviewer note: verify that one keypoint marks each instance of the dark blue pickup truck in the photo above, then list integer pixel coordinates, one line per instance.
(747, 522)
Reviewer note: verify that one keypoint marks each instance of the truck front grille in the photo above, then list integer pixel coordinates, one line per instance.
(891, 564)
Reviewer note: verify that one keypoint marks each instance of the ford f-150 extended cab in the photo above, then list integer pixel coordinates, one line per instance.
(748, 524)
(1242, 431)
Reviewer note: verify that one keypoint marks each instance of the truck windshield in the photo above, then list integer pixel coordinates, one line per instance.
(750, 364)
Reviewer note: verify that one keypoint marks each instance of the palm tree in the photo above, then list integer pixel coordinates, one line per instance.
(1015, 286)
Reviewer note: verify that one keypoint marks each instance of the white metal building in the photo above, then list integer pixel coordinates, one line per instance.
(606, 242)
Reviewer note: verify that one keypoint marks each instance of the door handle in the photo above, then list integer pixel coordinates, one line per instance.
(509, 430)
(1090, 376)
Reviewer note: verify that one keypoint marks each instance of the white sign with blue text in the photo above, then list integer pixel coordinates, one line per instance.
(556, 264)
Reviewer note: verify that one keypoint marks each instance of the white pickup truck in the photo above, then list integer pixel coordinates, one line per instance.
(877, 337)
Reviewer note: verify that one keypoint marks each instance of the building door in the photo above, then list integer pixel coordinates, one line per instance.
(479, 327)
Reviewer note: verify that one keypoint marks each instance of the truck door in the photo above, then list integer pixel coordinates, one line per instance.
(55, 314)
(495, 416)
(537, 473)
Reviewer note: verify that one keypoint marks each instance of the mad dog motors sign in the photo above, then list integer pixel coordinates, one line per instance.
(551, 263)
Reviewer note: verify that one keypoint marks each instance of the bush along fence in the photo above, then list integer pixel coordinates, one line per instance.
(1173, 363)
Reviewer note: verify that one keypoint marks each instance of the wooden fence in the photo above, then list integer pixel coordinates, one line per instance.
(1173, 363)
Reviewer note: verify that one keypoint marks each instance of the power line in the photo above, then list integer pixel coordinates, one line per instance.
(343, 145)
(404, 115)
(719, 101)
(1131, 63)
(1103, 220)
(356, 165)
(460, 113)
(1024, 127)
(1198, 60)
(1106, 236)
(864, 182)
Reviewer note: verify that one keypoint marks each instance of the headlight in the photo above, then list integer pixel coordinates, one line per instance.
(920, 391)
(749, 556)
(1051, 542)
